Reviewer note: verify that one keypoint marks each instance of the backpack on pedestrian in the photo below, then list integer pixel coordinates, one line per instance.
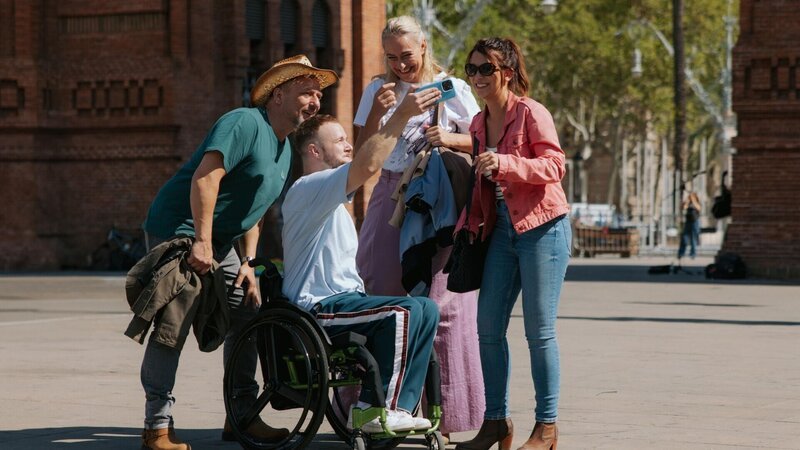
(726, 266)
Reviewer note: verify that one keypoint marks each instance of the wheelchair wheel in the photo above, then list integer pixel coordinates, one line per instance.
(291, 391)
(339, 401)
(359, 443)
(435, 440)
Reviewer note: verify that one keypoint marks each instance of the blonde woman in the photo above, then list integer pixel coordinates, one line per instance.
(409, 62)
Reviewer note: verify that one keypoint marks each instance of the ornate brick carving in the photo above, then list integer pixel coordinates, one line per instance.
(12, 98)
(113, 23)
(83, 97)
(772, 78)
(113, 97)
(88, 153)
(151, 94)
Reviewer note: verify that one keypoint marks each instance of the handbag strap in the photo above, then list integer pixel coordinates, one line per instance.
(471, 184)
(435, 118)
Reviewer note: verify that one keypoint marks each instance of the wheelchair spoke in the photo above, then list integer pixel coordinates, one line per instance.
(268, 353)
(254, 410)
(293, 368)
(291, 394)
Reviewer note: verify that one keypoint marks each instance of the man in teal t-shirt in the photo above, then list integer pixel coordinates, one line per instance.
(219, 197)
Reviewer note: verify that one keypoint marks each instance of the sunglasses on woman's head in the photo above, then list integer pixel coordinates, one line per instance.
(484, 69)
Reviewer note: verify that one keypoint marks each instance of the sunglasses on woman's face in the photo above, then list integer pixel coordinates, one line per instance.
(485, 69)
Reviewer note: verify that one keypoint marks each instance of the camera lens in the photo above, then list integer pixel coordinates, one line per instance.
(447, 85)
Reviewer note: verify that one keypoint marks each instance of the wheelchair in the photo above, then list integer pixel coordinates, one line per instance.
(306, 376)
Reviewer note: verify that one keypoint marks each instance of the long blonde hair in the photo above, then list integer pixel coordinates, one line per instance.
(407, 25)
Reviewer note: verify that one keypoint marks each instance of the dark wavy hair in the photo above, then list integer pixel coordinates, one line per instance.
(505, 53)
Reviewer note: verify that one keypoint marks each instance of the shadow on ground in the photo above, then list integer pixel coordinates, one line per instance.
(638, 274)
(779, 323)
(97, 438)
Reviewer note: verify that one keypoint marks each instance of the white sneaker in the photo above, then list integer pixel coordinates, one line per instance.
(420, 423)
(395, 421)
(399, 420)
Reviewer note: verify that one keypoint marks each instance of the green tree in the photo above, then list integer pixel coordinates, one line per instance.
(579, 60)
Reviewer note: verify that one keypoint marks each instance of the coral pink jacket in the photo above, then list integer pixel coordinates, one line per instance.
(530, 170)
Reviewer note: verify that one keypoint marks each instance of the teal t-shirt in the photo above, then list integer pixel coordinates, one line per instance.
(256, 168)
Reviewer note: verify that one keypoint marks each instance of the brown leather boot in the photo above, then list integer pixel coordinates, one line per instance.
(257, 429)
(491, 432)
(162, 439)
(543, 437)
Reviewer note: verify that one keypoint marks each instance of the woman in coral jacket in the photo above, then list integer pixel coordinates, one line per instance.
(519, 199)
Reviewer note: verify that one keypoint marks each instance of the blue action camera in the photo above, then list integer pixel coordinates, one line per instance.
(444, 86)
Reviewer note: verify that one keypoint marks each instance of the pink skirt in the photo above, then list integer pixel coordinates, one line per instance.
(456, 341)
(378, 256)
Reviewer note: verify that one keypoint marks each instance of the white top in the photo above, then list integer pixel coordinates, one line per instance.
(498, 192)
(454, 117)
(319, 239)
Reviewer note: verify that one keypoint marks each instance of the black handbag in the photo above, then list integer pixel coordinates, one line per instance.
(465, 266)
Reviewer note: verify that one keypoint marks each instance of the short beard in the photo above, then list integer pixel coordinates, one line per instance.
(331, 163)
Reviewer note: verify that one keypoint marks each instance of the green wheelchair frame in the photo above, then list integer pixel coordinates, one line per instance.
(302, 372)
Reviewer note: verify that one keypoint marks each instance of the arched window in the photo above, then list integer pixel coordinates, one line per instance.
(321, 39)
(320, 25)
(255, 19)
(289, 27)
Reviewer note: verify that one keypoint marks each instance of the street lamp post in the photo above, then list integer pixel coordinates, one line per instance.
(679, 145)
(721, 114)
(728, 118)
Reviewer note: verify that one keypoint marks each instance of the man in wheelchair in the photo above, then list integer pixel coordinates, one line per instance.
(320, 243)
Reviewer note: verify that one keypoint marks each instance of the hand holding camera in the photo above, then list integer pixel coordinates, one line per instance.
(445, 87)
(419, 100)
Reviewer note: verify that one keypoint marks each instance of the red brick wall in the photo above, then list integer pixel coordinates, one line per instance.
(766, 168)
(101, 101)
(367, 62)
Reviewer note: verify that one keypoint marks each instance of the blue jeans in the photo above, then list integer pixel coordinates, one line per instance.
(689, 238)
(534, 262)
(161, 362)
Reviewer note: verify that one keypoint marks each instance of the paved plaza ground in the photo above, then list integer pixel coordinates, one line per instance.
(648, 362)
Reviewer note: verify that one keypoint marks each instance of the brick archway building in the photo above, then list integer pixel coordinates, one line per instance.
(101, 101)
(766, 98)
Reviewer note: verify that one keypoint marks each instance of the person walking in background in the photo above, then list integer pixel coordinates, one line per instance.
(691, 226)
(409, 62)
(520, 202)
(218, 198)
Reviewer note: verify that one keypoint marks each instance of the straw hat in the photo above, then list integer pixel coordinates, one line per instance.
(283, 71)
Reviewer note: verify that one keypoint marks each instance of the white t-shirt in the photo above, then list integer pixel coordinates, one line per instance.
(319, 239)
(498, 192)
(455, 116)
